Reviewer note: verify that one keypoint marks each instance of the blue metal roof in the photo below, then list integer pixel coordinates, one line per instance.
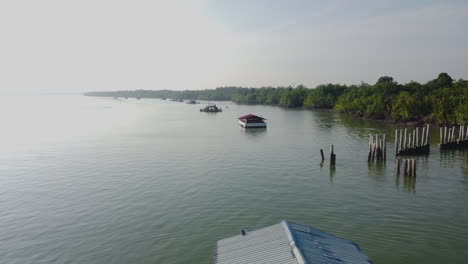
(315, 246)
(288, 243)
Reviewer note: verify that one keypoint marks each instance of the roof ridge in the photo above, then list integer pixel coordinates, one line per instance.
(292, 242)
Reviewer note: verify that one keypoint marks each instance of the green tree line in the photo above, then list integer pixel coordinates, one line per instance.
(441, 100)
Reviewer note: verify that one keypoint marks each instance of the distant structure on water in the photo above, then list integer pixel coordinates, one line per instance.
(288, 243)
(192, 102)
(211, 108)
(252, 121)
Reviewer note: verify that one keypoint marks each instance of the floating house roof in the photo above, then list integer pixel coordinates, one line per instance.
(288, 243)
(249, 116)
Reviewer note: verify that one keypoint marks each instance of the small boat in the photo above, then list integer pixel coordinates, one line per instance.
(211, 108)
(252, 121)
(192, 102)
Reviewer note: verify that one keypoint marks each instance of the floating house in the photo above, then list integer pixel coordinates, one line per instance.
(211, 108)
(252, 121)
(288, 243)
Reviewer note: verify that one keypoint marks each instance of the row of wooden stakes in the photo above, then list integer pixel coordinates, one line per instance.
(377, 148)
(412, 143)
(449, 138)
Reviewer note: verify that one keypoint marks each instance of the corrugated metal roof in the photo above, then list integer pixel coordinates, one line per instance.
(288, 243)
(268, 245)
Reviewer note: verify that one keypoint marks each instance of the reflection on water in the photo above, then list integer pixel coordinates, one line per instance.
(409, 184)
(376, 170)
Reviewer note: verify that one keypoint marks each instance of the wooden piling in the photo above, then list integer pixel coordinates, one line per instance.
(332, 156)
(396, 140)
(441, 135)
(426, 142)
(321, 154)
(404, 139)
(384, 148)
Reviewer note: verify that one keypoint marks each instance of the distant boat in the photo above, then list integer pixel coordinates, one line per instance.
(138, 98)
(252, 121)
(211, 108)
(180, 100)
(192, 102)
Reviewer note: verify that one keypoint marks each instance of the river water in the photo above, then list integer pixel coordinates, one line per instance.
(102, 180)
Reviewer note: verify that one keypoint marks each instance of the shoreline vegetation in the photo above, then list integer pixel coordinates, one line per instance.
(441, 100)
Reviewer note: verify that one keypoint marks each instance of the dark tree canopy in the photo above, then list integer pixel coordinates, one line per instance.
(385, 79)
(440, 100)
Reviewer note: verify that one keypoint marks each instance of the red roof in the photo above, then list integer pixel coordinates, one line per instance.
(249, 116)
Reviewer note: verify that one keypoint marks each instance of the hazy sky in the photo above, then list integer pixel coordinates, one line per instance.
(74, 46)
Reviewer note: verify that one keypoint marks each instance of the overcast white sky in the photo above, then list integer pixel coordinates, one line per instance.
(76, 46)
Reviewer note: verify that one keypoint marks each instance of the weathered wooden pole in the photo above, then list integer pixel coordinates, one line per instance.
(417, 137)
(414, 168)
(441, 135)
(427, 135)
(384, 150)
(404, 139)
(396, 141)
(332, 156)
(409, 141)
(321, 154)
(370, 148)
(445, 135)
(401, 139)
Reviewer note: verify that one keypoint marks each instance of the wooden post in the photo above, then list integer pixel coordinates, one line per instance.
(462, 132)
(332, 156)
(370, 148)
(417, 137)
(441, 135)
(321, 154)
(401, 139)
(396, 141)
(466, 136)
(414, 168)
(404, 139)
(374, 147)
(384, 148)
(445, 135)
(423, 136)
(427, 135)
(409, 141)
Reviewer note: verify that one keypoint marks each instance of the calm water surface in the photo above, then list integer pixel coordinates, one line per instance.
(100, 180)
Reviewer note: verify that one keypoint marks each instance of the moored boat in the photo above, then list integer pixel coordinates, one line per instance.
(252, 121)
(211, 108)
